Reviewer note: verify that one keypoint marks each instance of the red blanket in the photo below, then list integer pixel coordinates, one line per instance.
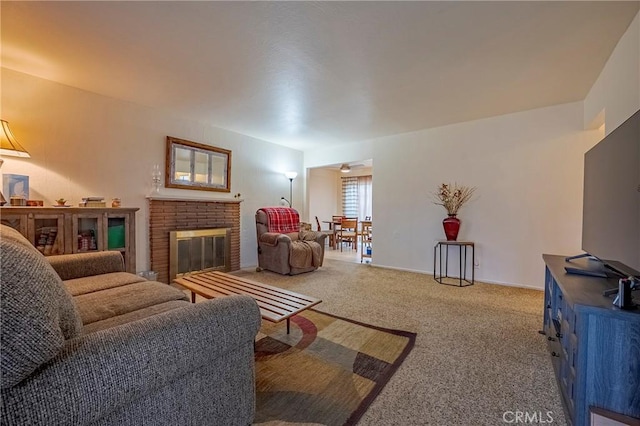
(282, 219)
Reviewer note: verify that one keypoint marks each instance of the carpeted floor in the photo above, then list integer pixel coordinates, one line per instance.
(477, 356)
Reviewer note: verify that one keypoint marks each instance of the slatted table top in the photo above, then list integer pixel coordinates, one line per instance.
(275, 304)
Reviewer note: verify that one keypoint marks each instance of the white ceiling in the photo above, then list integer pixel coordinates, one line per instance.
(308, 74)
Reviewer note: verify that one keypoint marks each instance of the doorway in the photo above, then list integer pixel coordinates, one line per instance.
(344, 189)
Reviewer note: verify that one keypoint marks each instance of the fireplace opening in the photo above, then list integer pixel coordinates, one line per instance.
(199, 250)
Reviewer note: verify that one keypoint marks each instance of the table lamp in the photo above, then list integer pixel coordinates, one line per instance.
(9, 146)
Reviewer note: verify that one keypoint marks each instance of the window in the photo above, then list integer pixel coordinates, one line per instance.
(356, 196)
(350, 196)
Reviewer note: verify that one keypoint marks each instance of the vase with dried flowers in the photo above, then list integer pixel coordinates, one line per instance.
(452, 197)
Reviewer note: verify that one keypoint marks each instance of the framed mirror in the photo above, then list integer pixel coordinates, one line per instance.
(192, 165)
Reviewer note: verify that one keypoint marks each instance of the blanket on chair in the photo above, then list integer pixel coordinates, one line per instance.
(282, 219)
(306, 251)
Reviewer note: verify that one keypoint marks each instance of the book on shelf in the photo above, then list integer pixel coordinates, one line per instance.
(87, 240)
(93, 204)
(46, 240)
(85, 199)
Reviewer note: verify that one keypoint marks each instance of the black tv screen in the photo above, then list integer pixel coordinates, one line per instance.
(611, 209)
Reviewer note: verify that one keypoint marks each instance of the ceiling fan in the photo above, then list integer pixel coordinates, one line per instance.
(346, 168)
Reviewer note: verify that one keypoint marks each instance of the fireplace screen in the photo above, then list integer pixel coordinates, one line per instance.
(198, 251)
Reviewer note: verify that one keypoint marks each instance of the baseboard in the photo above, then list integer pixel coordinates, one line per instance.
(506, 284)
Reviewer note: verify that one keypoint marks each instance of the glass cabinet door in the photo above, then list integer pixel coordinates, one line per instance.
(46, 233)
(17, 221)
(87, 229)
(117, 231)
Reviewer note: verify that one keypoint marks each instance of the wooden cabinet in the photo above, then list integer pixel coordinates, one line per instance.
(63, 230)
(595, 347)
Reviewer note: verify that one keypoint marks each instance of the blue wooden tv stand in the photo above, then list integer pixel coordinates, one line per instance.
(595, 346)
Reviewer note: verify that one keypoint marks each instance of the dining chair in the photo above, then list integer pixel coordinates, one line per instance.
(348, 232)
(327, 232)
(336, 220)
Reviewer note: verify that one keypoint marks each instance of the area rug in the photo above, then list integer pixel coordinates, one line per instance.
(327, 371)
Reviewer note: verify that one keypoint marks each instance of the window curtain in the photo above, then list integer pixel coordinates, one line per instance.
(356, 196)
(364, 197)
(350, 196)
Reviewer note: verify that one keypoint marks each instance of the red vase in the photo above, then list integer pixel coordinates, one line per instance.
(451, 226)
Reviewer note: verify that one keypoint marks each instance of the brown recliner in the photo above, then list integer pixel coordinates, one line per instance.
(282, 246)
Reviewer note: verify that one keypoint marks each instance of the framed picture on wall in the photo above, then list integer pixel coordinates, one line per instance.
(15, 186)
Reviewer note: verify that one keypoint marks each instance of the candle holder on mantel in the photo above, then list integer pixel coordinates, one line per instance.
(156, 179)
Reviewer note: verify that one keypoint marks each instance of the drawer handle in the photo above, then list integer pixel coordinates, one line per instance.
(554, 353)
(559, 335)
(551, 339)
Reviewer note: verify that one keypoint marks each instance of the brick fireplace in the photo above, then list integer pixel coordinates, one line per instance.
(172, 214)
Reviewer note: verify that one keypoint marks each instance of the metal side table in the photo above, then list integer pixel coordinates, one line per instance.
(462, 252)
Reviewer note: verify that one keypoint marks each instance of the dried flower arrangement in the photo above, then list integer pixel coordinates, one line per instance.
(452, 197)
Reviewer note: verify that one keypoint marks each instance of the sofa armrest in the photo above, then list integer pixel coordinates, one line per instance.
(317, 236)
(100, 373)
(320, 237)
(70, 266)
(274, 238)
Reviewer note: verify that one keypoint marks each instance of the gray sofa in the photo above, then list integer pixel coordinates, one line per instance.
(85, 343)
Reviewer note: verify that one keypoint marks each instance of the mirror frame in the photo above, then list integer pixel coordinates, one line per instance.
(171, 182)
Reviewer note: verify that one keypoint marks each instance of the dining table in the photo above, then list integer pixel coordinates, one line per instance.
(334, 226)
(331, 223)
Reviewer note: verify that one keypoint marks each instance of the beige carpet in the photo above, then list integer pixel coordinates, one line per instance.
(477, 355)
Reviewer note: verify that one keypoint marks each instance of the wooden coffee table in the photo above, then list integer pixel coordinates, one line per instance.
(275, 303)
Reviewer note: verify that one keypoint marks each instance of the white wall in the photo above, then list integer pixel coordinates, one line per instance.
(527, 168)
(83, 144)
(616, 92)
(528, 171)
(323, 199)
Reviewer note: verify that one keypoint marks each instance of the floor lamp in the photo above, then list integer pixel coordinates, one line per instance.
(291, 176)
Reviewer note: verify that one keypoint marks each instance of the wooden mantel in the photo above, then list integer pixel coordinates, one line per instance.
(199, 199)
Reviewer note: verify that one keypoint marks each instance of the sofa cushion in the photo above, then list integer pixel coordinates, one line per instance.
(101, 305)
(30, 285)
(93, 283)
(135, 315)
(78, 265)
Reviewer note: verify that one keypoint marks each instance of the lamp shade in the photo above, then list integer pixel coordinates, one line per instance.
(8, 143)
(291, 175)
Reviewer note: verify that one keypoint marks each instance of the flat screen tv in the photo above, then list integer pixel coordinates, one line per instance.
(611, 209)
